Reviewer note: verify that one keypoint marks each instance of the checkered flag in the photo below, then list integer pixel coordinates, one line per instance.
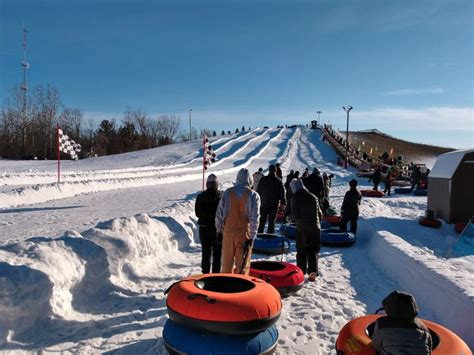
(209, 156)
(67, 145)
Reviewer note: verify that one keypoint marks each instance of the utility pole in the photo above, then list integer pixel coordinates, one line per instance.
(24, 88)
(348, 109)
(190, 123)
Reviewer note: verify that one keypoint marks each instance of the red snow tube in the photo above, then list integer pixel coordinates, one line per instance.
(459, 227)
(224, 303)
(332, 219)
(354, 338)
(285, 277)
(371, 193)
(429, 222)
(280, 216)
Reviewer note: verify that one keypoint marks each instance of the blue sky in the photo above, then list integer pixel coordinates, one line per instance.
(406, 66)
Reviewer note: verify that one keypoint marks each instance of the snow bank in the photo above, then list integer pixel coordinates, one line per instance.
(88, 277)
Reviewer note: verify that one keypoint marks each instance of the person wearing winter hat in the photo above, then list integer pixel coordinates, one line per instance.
(306, 212)
(400, 332)
(237, 218)
(256, 178)
(211, 241)
(272, 194)
(350, 207)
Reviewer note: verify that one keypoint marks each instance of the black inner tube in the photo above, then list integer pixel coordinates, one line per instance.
(267, 265)
(434, 337)
(224, 284)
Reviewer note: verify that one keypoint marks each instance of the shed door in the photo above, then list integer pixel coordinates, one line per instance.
(462, 194)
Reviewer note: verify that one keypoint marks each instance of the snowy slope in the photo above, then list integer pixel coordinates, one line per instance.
(84, 264)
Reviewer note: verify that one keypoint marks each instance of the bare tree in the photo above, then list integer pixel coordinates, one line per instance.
(71, 122)
(168, 126)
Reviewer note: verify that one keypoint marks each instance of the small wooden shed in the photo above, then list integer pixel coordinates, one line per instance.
(451, 186)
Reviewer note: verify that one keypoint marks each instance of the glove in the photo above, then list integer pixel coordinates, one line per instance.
(219, 237)
(248, 243)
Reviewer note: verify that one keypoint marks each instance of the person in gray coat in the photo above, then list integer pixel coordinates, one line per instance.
(400, 332)
(306, 212)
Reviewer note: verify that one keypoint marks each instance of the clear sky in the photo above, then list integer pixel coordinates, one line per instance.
(406, 66)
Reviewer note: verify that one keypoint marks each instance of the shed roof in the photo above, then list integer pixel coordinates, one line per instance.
(447, 163)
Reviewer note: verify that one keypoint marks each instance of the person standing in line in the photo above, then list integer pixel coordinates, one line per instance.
(289, 177)
(237, 218)
(211, 241)
(279, 173)
(306, 212)
(350, 207)
(314, 183)
(375, 178)
(256, 178)
(272, 194)
(388, 182)
(305, 173)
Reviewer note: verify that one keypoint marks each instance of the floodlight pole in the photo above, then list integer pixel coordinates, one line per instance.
(190, 123)
(348, 109)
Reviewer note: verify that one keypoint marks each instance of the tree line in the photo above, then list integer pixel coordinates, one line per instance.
(28, 127)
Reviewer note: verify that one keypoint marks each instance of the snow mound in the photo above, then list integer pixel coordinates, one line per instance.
(92, 276)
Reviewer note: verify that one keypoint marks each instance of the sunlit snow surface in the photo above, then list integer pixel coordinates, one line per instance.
(83, 264)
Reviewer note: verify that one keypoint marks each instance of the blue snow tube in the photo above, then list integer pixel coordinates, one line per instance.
(266, 243)
(403, 190)
(334, 237)
(182, 340)
(421, 192)
(288, 230)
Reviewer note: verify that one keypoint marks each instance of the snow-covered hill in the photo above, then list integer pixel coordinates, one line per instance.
(83, 264)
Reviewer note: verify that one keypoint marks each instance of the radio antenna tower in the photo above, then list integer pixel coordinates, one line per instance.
(25, 65)
(24, 88)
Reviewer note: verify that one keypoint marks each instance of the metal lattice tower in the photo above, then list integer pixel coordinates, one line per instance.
(25, 65)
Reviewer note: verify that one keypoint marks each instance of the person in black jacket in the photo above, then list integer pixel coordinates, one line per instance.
(375, 178)
(306, 213)
(272, 193)
(211, 242)
(400, 332)
(314, 183)
(350, 207)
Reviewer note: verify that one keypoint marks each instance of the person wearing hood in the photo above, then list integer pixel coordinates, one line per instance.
(306, 212)
(211, 242)
(237, 219)
(256, 178)
(272, 194)
(400, 332)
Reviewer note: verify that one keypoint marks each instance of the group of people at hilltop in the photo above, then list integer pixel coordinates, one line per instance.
(230, 220)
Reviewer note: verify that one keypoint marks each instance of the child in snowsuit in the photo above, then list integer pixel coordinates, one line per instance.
(237, 218)
(211, 242)
(375, 178)
(400, 332)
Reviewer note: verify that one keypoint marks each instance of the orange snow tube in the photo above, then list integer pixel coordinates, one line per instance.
(224, 303)
(354, 339)
(430, 222)
(371, 193)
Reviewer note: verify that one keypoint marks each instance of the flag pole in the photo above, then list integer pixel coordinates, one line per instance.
(59, 154)
(203, 160)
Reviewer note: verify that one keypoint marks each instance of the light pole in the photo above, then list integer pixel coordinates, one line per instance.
(348, 109)
(319, 112)
(190, 123)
